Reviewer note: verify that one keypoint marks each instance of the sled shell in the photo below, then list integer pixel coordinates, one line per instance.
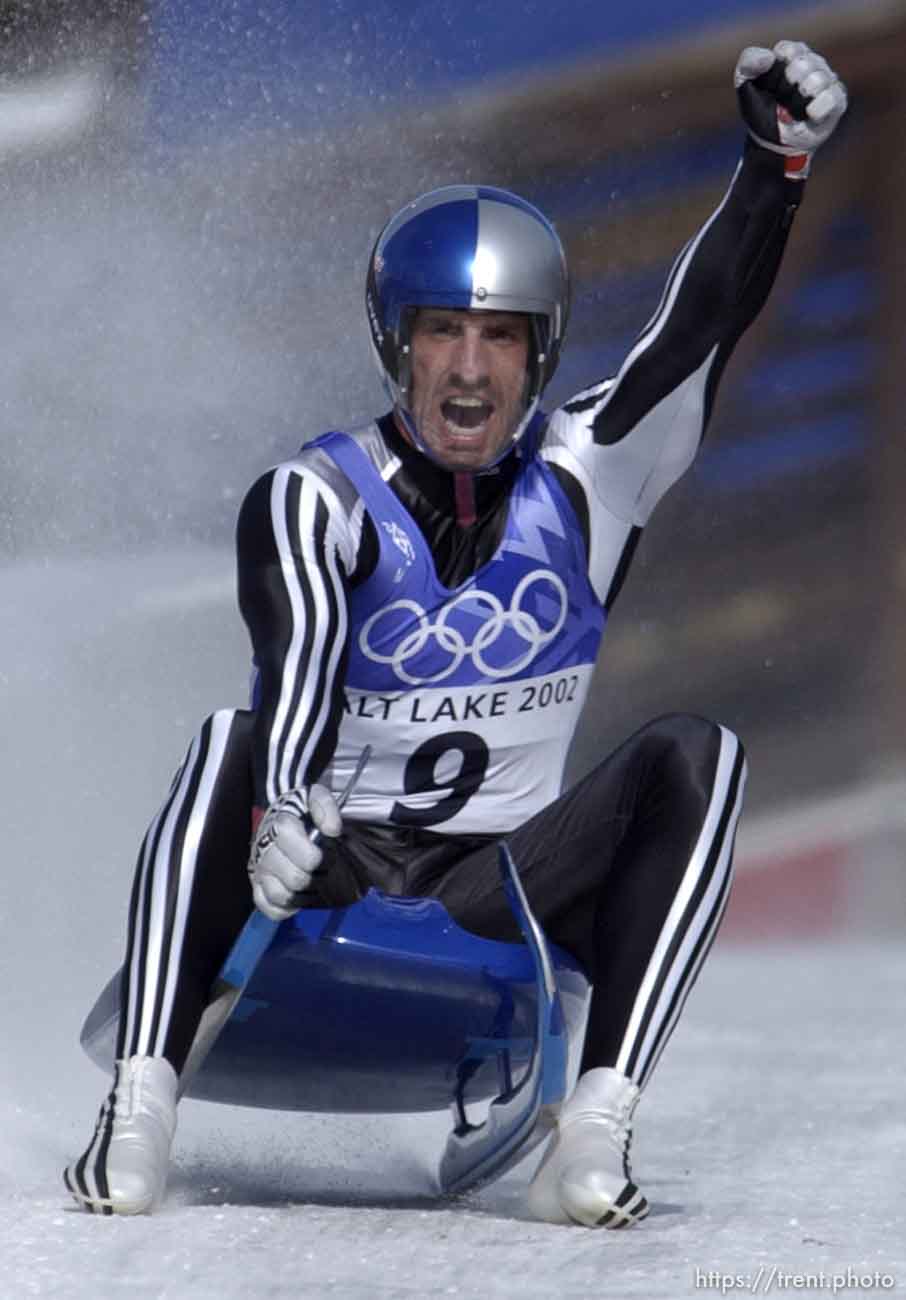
(383, 1006)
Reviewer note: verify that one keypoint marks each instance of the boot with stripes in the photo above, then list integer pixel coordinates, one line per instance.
(585, 1177)
(124, 1170)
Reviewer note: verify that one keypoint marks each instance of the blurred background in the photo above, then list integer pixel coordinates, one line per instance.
(190, 190)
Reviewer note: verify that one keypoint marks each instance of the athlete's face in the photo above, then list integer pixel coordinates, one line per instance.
(468, 382)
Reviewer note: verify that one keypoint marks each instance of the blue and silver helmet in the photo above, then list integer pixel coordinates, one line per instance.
(467, 246)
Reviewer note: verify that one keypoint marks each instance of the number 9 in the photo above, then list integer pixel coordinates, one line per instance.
(419, 778)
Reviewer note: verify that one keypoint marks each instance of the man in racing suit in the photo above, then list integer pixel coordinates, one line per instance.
(435, 586)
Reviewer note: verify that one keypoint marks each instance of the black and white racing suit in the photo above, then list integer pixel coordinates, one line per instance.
(462, 655)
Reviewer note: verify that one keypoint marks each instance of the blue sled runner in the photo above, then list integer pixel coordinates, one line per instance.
(389, 1006)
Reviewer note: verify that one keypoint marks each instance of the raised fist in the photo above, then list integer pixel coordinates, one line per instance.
(790, 100)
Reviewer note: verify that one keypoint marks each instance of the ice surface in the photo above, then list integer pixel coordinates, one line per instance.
(773, 1134)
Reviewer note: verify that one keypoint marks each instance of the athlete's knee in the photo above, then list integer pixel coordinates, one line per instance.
(233, 722)
(692, 750)
(218, 752)
(225, 732)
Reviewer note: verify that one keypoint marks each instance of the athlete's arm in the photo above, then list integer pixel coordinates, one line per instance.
(649, 421)
(714, 291)
(299, 548)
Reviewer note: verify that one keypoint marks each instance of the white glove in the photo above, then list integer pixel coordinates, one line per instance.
(284, 857)
(790, 100)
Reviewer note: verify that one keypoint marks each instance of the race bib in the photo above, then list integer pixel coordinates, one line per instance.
(464, 758)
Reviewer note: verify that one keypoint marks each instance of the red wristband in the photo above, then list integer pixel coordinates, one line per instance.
(795, 168)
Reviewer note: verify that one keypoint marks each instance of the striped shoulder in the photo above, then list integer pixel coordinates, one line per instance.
(322, 475)
(314, 461)
(291, 502)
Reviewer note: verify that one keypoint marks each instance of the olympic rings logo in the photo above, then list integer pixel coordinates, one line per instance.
(450, 639)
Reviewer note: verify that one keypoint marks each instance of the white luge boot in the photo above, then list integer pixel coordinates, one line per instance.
(584, 1177)
(124, 1170)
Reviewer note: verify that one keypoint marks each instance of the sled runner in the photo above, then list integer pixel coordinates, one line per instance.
(388, 1006)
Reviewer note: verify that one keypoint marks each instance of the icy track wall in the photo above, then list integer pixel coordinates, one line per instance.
(149, 367)
(822, 869)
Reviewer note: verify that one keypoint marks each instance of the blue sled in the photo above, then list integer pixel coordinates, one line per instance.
(388, 1006)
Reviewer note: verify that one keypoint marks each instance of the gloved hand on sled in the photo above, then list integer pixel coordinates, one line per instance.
(790, 99)
(284, 854)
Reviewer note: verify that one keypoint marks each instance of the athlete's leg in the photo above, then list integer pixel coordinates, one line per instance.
(630, 871)
(190, 898)
(191, 893)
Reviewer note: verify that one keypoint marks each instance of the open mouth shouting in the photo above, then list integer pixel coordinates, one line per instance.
(466, 414)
